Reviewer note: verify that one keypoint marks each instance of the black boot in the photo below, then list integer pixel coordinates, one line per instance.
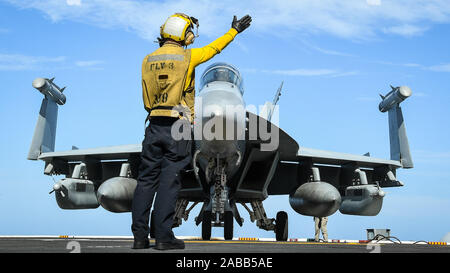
(141, 244)
(174, 244)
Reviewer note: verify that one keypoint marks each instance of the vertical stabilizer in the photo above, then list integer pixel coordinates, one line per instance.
(269, 107)
(45, 131)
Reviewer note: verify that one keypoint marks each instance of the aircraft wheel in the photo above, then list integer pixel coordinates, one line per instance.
(152, 225)
(206, 225)
(228, 225)
(281, 226)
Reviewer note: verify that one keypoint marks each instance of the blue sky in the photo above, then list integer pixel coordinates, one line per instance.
(334, 58)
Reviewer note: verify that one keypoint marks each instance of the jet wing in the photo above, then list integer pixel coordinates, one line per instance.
(102, 153)
(336, 158)
(286, 145)
(338, 169)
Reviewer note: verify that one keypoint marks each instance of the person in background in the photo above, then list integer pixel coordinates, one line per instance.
(321, 225)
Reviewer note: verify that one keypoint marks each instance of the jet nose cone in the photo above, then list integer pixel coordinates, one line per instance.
(212, 111)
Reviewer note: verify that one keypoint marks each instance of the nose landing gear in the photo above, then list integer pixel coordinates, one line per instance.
(221, 211)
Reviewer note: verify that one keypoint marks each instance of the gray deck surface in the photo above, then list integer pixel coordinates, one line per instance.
(107, 245)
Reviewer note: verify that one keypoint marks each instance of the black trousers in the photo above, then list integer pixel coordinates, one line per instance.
(162, 160)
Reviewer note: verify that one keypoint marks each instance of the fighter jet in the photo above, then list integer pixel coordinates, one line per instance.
(239, 157)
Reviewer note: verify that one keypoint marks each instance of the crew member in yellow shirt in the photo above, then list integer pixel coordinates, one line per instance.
(168, 91)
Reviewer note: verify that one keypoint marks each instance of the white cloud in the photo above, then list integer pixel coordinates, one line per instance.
(373, 2)
(406, 30)
(440, 68)
(327, 51)
(312, 72)
(17, 62)
(436, 68)
(304, 72)
(88, 63)
(350, 19)
(412, 65)
(345, 74)
(73, 2)
(333, 52)
(401, 64)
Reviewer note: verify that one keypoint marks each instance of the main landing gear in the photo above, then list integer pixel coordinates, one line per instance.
(221, 211)
(278, 225)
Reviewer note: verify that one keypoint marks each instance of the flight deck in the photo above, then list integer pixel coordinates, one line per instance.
(122, 244)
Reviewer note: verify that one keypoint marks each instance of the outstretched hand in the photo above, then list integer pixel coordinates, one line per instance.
(242, 24)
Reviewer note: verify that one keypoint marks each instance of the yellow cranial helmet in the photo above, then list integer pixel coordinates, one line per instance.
(179, 27)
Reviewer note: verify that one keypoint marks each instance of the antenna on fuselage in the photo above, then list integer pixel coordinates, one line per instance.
(275, 101)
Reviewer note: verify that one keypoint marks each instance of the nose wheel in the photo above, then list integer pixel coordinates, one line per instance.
(227, 223)
(219, 212)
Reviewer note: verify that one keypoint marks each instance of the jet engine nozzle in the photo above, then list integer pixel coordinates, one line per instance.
(396, 96)
(50, 90)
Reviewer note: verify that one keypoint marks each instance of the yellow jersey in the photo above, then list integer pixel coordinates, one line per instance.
(168, 76)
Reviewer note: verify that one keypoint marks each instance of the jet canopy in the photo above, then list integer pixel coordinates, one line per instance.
(222, 72)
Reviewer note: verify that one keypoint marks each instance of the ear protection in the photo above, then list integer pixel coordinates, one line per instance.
(190, 37)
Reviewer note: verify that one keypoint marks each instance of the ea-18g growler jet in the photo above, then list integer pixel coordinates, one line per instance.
(238, 158)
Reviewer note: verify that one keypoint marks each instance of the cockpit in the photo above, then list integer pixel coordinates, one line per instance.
(222, 72)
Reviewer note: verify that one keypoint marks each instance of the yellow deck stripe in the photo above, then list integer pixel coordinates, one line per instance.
(265, 242)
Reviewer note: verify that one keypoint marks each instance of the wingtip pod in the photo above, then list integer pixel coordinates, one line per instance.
(394, 97)
(50, 90)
